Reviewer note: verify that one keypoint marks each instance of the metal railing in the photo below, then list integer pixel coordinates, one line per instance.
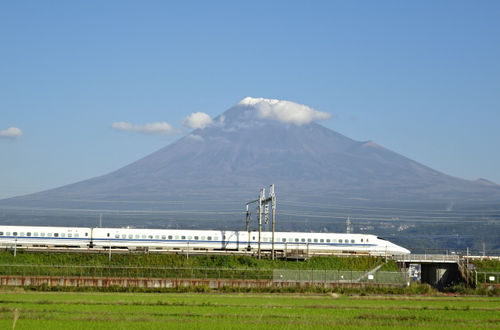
(419, 258)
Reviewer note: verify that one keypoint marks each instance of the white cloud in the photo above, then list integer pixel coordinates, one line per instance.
(197, 120)
(11, 133)
(152, 129)
(285, 111)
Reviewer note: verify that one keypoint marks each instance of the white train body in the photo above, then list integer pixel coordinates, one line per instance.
(194, 240)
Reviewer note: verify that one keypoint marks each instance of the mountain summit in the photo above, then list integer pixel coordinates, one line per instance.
(255, 143)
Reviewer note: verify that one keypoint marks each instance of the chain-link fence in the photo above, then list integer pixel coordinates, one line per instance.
(487, 278)
(338, 276)
(276, 275)
(147, 272)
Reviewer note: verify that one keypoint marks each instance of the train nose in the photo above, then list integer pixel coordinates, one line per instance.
(404, 251)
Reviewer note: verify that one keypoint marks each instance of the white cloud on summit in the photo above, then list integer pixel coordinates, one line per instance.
(11, 133)
(197, 120)
(151, 129)
(285, 111)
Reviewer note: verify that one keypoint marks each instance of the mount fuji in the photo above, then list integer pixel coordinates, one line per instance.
(218, 168)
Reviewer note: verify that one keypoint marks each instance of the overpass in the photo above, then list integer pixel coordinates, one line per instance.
(437, 270)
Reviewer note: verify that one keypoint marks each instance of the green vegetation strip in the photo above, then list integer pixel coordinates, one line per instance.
(236, 311)
(194, 261)
(172, 266)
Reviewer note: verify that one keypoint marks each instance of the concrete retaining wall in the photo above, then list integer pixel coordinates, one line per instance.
(70, 281)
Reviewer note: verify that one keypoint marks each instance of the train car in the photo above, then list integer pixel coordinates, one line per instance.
(328, 243)
(158, 239)
(45, 237)
(133, 239)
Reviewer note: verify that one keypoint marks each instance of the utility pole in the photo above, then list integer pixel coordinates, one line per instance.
(349, 225)
(261, 199)
(263, 208)
(248, 223)
(273, 216)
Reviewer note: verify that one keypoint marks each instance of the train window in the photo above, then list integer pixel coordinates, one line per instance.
(86, 234)
(117, 235)
(367, 240)
(353, 241)
(328, 240)
(216, 238)
(309, 240)
(28, 234)
(209, 238)
(253, 238)
(315, 240)
(296, 240)
(143, 236)
(284, 240)
(321, 240)
(190, 237)
(170, 237)
(340, 241)
(21, 234)
(150, 236)
(362, 240)
(183, 237)
(1, 233)
(56, 235)
(130, 236)
(49, 234)
(163, 237)
(108, 234)
(35, 234)
(303, 240)
(277, 240)
(196, 238)
(176, 237)
(290, 239)
(77, 235)
(157, 236)
(42, 234)
(14, 233)
(203, 238)
(70, 235)
(63, 235)
(265, 239)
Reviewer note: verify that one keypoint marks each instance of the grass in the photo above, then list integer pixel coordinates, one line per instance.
(250, 311)
(194, 261)
(174, 266)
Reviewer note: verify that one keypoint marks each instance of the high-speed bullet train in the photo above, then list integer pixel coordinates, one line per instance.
(165, 240)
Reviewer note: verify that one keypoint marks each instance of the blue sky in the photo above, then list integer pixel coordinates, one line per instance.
(420, 78)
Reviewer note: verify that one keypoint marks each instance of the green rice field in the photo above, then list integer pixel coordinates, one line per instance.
(57, 310)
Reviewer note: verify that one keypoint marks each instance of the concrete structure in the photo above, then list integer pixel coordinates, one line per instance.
(437, 270)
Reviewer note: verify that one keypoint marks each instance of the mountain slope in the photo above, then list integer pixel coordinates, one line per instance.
(243, 151)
